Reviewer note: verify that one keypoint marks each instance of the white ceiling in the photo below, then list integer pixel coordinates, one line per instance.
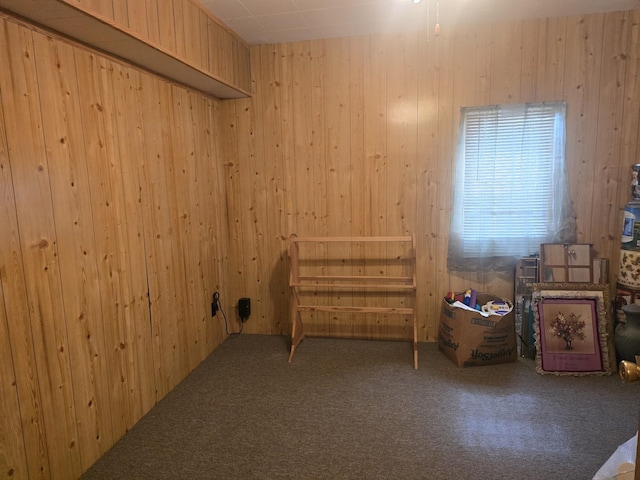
(278, 21)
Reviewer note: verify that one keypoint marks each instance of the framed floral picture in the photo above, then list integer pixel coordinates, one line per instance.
(573, 329)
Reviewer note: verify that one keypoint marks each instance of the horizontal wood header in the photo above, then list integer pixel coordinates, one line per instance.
(108, 36)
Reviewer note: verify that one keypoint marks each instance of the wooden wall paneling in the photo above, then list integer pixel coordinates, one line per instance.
(188, 218)
(257, 275)
(552, 61)
(236, 278)
(222, 219)
(505, 51)
(301, 125)
(179, 27)
(224, 43)
(241, 64)
(303, 170)
(252, 194)
(582, 83)
(605, 210)
(127, 87)
(137, 14)
(339, 170)
(178, 195)
(471, 61)
(121, 12)
(213, 51)
(156, 98)
(467, 66)
(190, 21)
(357, 48)
(153, 21)
(264, 313)
(179, 186)
(483, 51)
(428, 288)
(276, 172)
(374, 213)
(402, 124)
(21, 422)
(529, 61)
(175, 166)
(166, 25)
(66, 156)
(203, 40)
(112, 275)
(210, 193)
(27, 153)
(200, 216)
(289, 218)
(447, 136)
(13, 459)
(103, 8)
(288, 137)
(317, 323)
(551, 58)
(123, 152)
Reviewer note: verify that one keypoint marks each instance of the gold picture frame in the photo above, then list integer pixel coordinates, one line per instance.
(573, 329)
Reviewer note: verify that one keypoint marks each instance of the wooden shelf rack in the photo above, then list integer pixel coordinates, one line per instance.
(403, 284)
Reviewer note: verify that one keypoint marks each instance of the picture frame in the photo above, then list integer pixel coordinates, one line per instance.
(573, 329)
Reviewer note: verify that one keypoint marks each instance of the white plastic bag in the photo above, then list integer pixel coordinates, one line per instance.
(621, 465)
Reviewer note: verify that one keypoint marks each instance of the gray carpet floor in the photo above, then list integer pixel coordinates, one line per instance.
(356, 409)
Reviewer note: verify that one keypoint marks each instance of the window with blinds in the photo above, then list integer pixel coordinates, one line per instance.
(510, 190)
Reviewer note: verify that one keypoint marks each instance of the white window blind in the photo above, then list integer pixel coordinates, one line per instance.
(510, 186)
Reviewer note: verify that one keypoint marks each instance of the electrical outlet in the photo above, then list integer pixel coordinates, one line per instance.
(214, 304)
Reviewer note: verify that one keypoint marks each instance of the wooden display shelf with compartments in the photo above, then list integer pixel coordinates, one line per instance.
(344, 271)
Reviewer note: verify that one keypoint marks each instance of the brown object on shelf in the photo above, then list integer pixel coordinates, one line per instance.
(566, 263)
(403, 284)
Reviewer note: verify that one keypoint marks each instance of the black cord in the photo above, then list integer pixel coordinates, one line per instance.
(226, 327)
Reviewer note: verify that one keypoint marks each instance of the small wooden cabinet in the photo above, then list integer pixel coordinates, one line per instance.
(566, 262)
(348, 274)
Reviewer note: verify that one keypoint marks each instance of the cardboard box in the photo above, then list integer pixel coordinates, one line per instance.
(470, 339)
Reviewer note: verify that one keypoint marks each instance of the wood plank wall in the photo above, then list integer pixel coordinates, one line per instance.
(126, 201)
(112, 243)
(356, 136)
(183, 28)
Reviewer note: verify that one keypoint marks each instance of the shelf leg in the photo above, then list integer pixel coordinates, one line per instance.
(297, 335)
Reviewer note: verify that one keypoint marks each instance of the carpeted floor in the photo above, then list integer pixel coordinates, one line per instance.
(356, 409)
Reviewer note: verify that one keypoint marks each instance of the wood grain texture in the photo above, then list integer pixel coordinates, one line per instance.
(73, 224)
(111, 248)
(128, 200)
(398, 98)
(40, 257)
(18, 398)
(183, 29)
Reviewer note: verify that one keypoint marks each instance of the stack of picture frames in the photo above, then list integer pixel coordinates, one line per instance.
(573, 321)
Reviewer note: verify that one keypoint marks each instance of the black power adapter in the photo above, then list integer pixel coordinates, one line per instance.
(244, 308)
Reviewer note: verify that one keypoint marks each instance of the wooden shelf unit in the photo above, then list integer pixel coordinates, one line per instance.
(404, 285)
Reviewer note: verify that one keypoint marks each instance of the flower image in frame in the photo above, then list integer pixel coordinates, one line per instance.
(566, 329)
(569, 327)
